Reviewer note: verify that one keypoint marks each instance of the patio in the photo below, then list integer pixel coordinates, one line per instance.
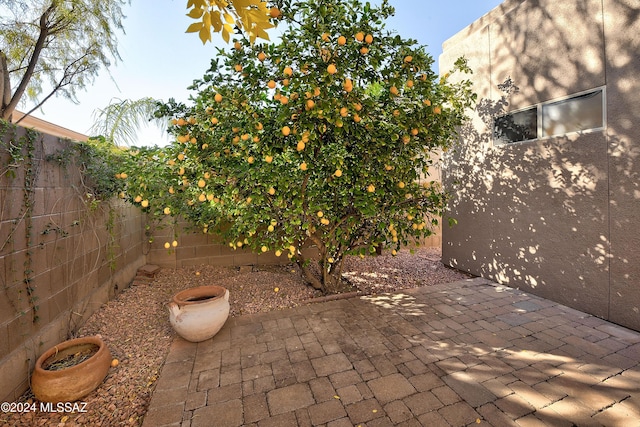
(465, 353)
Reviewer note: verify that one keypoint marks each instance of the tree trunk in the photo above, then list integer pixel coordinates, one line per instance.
(332, 277)
(379, 248)
(5, 87)
(310, 277)
(329, 280)
(10, 106)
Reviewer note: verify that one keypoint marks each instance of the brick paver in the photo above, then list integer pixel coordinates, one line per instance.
(464, 353)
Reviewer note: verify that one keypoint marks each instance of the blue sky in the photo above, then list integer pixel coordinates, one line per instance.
(160, 60)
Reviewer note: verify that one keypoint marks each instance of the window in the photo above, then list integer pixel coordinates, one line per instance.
(516, 127)
(577, 113)
(582, 112)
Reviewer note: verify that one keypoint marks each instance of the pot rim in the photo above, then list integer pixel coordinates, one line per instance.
(206, 293)
(94, 339)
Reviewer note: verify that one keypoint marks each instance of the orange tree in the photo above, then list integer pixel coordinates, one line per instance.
(319, 140)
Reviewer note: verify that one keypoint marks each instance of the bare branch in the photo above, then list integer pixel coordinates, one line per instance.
(57, 44)
(66, 80)
(6, 112)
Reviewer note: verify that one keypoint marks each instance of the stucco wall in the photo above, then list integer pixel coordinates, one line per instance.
(555, 216)
(64, 249)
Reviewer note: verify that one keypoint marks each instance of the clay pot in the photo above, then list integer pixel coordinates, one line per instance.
(72, 383)
(197, 314)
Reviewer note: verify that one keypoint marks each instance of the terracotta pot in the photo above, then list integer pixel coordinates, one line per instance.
(197, 314)
(72, 383)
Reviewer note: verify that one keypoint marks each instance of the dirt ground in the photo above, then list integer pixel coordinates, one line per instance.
(135, 325)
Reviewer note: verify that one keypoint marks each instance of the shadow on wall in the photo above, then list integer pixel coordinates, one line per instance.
(556, 216)
(530, 191)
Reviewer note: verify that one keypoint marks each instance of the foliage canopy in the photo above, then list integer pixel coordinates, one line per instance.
(321, 140)
(253, 17)
(120, 121)
(52, 47)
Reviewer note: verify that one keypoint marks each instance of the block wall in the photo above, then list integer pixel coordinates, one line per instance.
(72, 253)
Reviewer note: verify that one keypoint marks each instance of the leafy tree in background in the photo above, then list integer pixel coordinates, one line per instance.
(321, 140)
(52, 47)
(120, 121)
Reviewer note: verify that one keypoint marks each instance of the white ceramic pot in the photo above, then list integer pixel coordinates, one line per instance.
(197, 314)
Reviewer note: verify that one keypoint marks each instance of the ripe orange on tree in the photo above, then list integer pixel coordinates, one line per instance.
(274, 12)
(307, 138)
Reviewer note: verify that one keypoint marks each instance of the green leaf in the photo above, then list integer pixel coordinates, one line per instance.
(361, 150)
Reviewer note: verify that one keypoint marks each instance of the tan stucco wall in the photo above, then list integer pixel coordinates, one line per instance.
(46, 127)
(557, 216)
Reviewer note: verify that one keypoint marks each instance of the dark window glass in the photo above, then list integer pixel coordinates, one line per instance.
(514, 127)
(582, 112)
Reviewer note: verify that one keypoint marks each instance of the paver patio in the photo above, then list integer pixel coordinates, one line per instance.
(464, 353)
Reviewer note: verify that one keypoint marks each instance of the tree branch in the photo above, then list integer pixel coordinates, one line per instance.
(5, 82)
(44, 32)
(65, 80)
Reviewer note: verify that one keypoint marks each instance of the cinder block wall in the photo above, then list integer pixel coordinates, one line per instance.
(556, 216)
(198, 248)
(202, 249)
(60, 247)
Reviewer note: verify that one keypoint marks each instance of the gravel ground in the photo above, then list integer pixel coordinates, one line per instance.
(135, 324)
